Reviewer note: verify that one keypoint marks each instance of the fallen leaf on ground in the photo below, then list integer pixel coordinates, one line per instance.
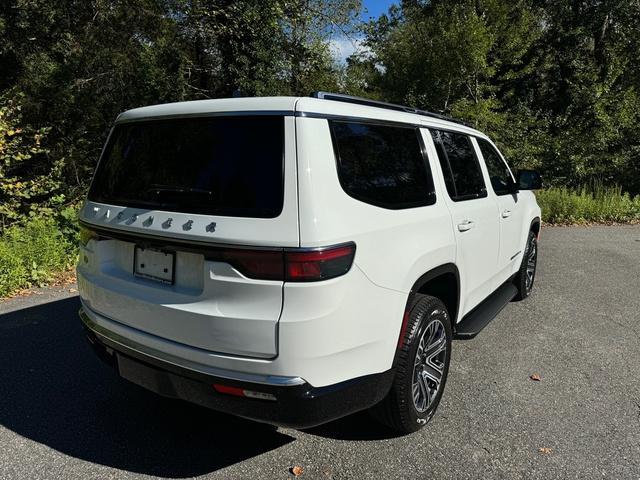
(68, 277)
(297, 470)
(545, 450)
(535, 377)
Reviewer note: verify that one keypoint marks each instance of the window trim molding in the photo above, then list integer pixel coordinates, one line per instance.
(430, 197)
(460, 198)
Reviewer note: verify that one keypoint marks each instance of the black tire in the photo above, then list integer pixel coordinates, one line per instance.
(524, 281)
(399, 410)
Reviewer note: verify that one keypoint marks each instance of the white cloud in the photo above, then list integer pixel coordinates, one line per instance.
(343, 47)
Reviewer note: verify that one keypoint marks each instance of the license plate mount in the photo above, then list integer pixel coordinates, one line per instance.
(154, 264)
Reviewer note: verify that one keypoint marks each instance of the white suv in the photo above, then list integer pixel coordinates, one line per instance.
(294, 260)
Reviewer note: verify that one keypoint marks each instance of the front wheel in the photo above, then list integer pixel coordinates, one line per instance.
(422, 366)
(527, 274)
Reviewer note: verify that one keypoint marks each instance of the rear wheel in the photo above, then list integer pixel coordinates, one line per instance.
(527, 274)
(421, 368)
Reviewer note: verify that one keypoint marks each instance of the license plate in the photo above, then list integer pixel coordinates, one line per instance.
(154, 265)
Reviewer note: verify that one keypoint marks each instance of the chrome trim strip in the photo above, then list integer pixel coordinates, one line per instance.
(100, 331)
(127, 235)
(167, 241)
(355, 118)
(446, 125)
(231, 113)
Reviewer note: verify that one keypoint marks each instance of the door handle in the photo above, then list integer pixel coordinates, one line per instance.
(506, 213)
(466, 225)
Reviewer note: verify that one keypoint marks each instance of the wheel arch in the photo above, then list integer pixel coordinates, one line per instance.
(535, 226)
(442, 282)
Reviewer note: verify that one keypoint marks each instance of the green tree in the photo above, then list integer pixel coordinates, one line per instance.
(588, 82)
(275, 47)
(29, 181)
(553, 82)
(465, 58)
(78, 64)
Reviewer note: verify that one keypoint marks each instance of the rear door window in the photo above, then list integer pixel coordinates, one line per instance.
(231, 166)
(382, 165)
(460, 167)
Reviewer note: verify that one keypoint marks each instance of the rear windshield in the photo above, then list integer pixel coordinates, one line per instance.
(231, 166)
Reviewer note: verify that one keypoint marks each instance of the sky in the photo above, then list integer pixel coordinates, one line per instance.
(343, 46)
(375, 8)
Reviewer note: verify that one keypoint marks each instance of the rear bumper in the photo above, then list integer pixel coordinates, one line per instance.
(297, 404)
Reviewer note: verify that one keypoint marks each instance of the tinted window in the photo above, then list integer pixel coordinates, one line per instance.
(382, 165)
(498, 172)
(460, 166)
(229, 166)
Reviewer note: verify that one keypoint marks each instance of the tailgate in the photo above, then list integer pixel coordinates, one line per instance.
(164, 203)
(210, 305)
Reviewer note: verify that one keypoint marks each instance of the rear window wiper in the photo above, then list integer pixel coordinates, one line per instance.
(158, 189)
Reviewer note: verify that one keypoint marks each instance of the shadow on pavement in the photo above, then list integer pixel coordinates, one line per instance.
(358, 427)
(53, 390)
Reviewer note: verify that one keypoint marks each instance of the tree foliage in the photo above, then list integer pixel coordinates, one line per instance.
(555, 83)
(28, 177)
(68, 67)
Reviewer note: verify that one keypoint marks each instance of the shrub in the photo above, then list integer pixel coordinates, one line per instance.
(596, 204)
(30, 180)
(32, 254)
(13, 273)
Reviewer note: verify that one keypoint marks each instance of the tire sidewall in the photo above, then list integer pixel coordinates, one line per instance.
(524, 292)
(436, 311)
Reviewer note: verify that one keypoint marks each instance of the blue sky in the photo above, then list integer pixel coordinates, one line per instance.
(343, 46)
(375, 8)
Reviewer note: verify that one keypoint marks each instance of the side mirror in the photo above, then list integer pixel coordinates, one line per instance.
(529, 180)
(513, 187)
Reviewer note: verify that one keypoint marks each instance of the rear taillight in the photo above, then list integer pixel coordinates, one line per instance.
(290, 265)
(259, 264)
(319, 264)
(282, 264)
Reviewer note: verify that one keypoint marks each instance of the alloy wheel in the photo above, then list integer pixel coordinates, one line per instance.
(532, 258)
(429, 365)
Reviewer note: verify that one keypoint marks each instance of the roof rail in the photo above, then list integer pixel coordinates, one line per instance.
(339, 97)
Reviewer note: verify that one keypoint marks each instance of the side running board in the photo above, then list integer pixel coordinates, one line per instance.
(478, 318)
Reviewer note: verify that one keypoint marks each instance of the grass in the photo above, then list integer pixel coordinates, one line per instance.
(588, 205)
(34, 253)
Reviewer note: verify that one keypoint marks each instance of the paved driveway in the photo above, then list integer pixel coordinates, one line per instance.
(64, 415)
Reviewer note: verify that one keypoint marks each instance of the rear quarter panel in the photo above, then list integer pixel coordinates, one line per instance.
(394, 247)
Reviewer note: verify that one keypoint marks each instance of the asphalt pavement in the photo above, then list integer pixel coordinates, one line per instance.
(65, 415)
